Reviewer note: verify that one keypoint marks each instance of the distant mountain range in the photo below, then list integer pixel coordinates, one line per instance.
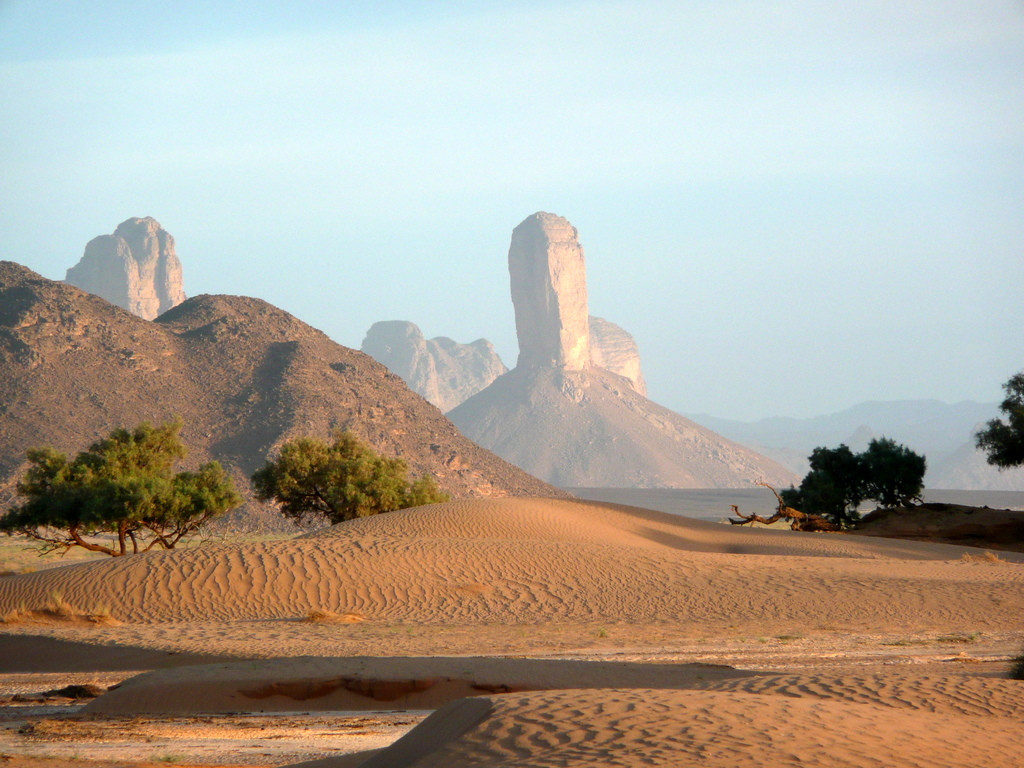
(944, 433)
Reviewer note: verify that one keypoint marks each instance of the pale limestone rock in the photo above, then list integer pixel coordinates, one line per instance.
(442, 371)
(549, 292)
(136, 268)
(574, 410)
(615, 350)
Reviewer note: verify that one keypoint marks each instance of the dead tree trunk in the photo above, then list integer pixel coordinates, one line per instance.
(798, 521)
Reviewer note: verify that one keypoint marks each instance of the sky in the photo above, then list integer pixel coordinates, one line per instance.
(793, 205)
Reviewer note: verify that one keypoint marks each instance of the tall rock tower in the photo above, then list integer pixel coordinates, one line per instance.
(135, 268)
(549, 292)
(573, 411)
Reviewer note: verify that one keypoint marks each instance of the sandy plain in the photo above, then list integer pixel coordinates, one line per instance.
(525, 632)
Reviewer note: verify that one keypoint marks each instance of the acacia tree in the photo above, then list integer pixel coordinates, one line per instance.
(833, 488)
(123, 486)
(1004, 441)
(340, 481)
(839, 480)
(893, 474)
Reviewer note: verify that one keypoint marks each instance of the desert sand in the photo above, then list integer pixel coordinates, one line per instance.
(555, 633)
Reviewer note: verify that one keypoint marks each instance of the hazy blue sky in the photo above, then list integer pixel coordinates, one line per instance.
(793, 206)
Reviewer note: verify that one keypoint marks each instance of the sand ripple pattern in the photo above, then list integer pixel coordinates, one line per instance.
(711, 728)
(534, 560)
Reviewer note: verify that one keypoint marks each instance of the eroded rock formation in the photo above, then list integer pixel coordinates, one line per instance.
(135, 268)
(614, 349)
(443, 371)
(572, 411)
(549, 291)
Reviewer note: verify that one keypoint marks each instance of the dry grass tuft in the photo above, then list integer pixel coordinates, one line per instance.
(987, 556)
(59, 609)
(329, 617)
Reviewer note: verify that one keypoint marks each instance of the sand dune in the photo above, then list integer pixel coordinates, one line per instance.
(517, 561)
(712, 728)
(371, 683)
(464, 579)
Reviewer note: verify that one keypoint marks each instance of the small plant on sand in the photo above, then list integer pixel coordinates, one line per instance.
(985, 557)
(329, 617)
(16, 616)
(59, 607)
(1017, 670)
(966, 639)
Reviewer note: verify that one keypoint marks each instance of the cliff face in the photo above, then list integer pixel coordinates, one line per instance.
(615, 350)
(135, 268)
(549, 291)
(443, 371)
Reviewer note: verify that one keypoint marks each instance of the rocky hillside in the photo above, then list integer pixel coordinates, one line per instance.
(244, 376)
(591, 428)
(135, 268)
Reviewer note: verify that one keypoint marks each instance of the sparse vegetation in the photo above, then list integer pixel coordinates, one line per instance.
(1003, 441)
(330, 617)
(1017, 670)
(340, 481)
(985, 557)
(962, 638)
(839, 480)
(57, 608)
(122, 490)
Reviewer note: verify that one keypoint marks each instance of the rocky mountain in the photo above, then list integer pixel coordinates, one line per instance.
(942, 432)
(243, 375)
(443, 371)
(135, 268)
(572, 423)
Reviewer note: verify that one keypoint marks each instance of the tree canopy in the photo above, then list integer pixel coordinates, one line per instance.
(1003, 441)
(340, 481)
(839, 480)
(123, 486)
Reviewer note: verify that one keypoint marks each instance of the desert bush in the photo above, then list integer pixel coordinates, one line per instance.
(1017, 670)
(340, 481)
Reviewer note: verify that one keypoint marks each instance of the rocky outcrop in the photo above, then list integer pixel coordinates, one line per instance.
(564, 418)
(615, 350)
(443, 371)
(549, 292)
(135, 268)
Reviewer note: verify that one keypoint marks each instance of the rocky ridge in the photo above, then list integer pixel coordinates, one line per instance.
(442, 371)
(135, 268)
